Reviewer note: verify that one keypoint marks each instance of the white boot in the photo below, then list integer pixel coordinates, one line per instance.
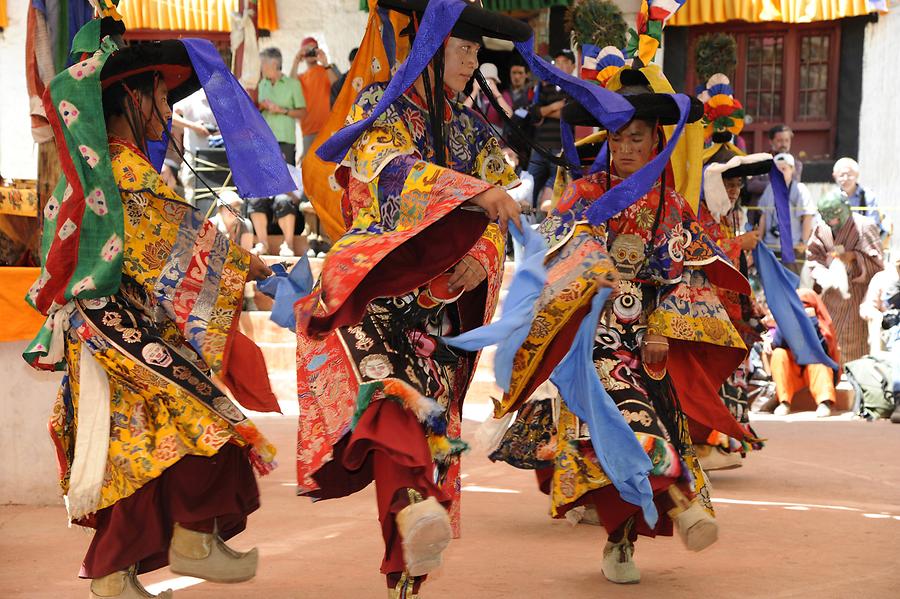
(425, 531)
(716, 458)
(206, 556)
(697, 529)
(618, 562)
(123, 585)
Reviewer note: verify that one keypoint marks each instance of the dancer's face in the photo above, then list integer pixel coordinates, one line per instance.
(632, 146)
(154, 108)
(733, 189)
(460, 62)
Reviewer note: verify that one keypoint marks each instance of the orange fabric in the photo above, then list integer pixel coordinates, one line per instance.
(812, 300)
(706, 12)
(790, 377)
(267, 17)
(370, 66)
(317, 92)
(179, 15)
(4, 20)
(18, 320)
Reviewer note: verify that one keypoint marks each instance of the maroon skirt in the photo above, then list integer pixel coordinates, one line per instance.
(199, 493)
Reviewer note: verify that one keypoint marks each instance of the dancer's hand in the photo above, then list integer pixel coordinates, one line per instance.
(258, 269)
(749, 240)
(468, 275)
(654, 349)
(499, 206)
(609, 279)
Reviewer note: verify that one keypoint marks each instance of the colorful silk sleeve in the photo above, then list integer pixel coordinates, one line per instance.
(191, 269)
(406, 228)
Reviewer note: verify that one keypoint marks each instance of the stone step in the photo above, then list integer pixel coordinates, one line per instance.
(257, 325)
(279, 356)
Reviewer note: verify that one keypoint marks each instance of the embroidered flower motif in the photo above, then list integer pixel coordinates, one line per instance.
(682, 328)
(156, 254)
(713, 328)
(644, 217)
(166, 450)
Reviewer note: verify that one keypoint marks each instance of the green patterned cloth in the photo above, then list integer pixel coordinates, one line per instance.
(83, 219)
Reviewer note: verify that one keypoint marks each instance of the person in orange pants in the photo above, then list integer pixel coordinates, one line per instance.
(790, 377)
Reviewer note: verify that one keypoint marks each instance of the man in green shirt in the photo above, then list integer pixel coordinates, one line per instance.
(282, 104)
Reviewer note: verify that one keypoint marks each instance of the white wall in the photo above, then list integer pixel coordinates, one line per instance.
(28, 471)
(18, 155)
(879, 126)
(338, 26)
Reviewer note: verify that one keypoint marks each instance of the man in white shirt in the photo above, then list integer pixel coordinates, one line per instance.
(196, 117)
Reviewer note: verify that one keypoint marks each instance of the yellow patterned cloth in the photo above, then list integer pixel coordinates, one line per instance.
(153, 423)
(182, 290)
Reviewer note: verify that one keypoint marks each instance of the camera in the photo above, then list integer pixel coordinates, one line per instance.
(311, 53)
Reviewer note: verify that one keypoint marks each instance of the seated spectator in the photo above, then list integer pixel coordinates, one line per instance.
(846, 175)
(803, 209)
(844, 253)
(195, 119)
(228, 219)
(790, 377)
(876, 376)
(881, 308)
(282, 104)
(284, 209)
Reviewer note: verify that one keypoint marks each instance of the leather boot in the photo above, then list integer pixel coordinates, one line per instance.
(123, 584)
(204, 555)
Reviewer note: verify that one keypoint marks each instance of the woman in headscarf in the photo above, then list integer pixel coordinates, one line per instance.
(725, 168)
(143, 297)
(645, 343)
(380, 395)
(790, 377)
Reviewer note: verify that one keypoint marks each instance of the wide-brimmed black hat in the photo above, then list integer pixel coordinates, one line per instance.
(749, 168)
(474, 24)
(648, 106)
(169, 58)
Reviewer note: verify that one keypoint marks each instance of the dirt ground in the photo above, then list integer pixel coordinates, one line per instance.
(815, 514)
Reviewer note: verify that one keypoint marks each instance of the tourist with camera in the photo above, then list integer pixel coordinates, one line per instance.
(316, 81)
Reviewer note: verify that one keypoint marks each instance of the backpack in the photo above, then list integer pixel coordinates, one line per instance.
(872, 380)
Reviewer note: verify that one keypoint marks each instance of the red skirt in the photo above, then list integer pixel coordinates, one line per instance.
(197, 492)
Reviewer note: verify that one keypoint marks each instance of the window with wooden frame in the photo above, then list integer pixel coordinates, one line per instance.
(785, 74)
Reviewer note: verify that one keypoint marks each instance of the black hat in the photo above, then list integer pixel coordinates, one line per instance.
(169, 58)
(648, 106)
(474, 24)
(750, 169)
